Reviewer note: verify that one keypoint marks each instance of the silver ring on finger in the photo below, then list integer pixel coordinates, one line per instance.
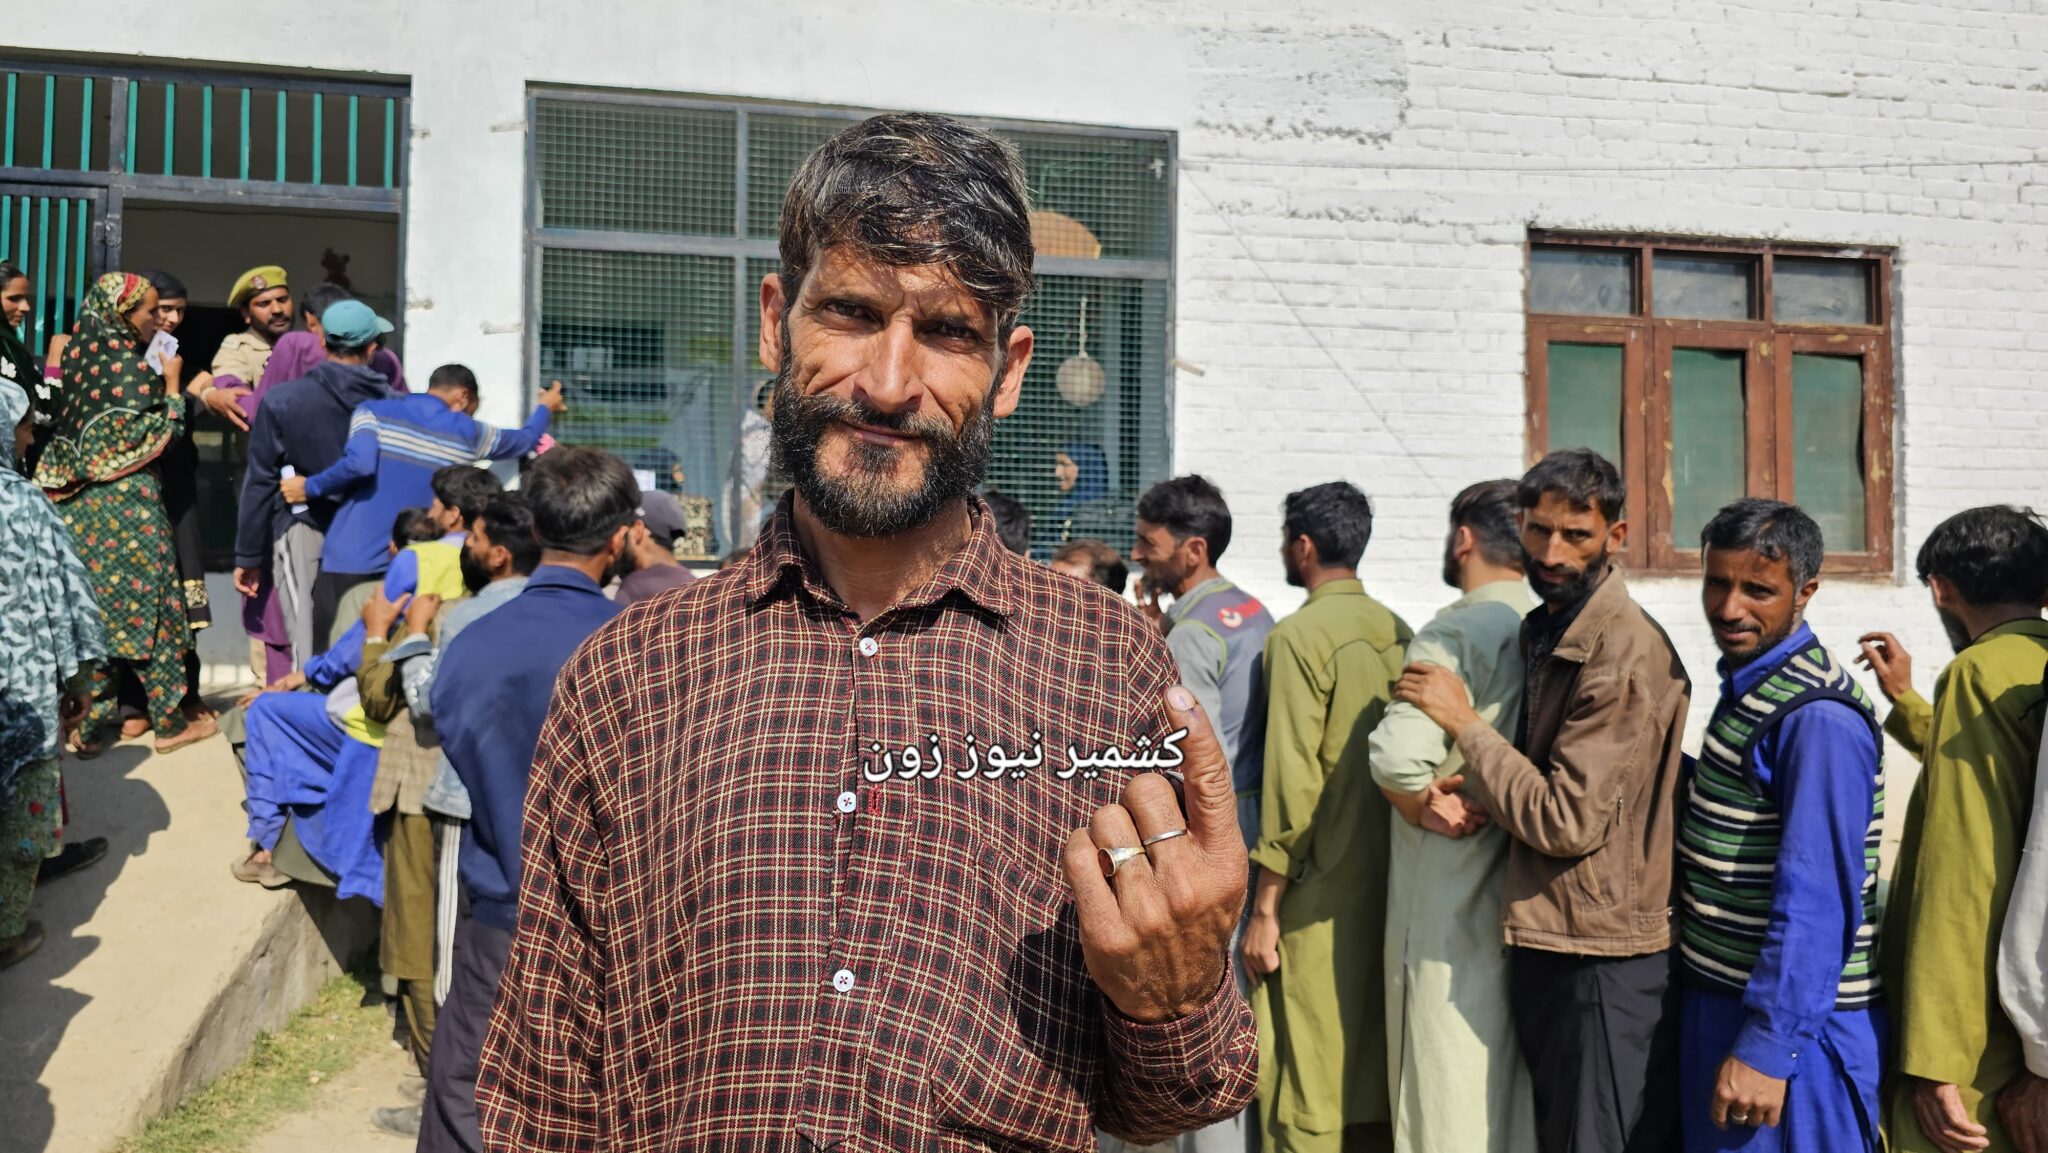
(1112, 859)
(1739, 1118)
(1168, 835)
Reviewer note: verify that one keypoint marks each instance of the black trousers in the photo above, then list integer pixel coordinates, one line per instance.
(1600, 1035)
(448, 1119)
(328, 589)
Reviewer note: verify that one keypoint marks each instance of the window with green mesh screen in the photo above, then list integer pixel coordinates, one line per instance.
(654, 221)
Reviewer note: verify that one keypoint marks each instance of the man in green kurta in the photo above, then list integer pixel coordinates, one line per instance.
(1456, 1077)
(1977, 743)
(1319, 911)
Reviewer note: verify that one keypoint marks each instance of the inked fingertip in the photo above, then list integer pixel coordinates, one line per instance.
(1181, 699)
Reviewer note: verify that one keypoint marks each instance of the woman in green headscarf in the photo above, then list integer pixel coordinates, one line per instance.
(115, 416)
(50, 638)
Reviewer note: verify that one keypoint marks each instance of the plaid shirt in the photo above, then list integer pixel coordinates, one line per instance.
(731, 938)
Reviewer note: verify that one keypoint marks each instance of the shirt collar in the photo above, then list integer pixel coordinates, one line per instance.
(1350, 587)
(2025, 626)
(1738, 682)
(982, 571)
(1183, 605)
(456, 537)
(1506, 592)
(511, 586)
(562, 576)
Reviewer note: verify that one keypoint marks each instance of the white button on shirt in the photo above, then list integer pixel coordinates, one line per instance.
(843, 980)
(848, 802)
(868, 646)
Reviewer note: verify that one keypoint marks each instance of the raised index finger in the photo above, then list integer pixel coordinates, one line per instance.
(1211, 798)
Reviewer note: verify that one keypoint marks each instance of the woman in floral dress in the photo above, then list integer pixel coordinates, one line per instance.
(50, 637)
(116, 417)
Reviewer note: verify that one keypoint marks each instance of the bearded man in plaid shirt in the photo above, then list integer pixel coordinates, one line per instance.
(865, 843)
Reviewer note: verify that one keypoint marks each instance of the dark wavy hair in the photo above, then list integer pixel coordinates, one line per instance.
(1994, 555)
(911, 188)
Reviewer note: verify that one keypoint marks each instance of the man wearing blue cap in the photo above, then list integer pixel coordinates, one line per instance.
(394, 447)
(303, 426)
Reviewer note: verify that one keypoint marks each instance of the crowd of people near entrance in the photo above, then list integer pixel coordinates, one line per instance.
(760, 860)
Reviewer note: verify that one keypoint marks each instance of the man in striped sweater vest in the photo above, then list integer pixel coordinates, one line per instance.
(1782, 1026)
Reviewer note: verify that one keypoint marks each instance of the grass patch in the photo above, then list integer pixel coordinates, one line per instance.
(280, 1076)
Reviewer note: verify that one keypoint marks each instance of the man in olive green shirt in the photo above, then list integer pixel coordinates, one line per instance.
(1456, 1077)
(1319, 911)
(1977, 742)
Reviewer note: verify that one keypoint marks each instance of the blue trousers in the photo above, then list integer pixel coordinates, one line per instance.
(300, 764)
(1831, 1103)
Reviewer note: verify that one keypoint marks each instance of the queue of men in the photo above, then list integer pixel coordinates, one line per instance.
(730, 867)
(1478, 893)
(1693, 956)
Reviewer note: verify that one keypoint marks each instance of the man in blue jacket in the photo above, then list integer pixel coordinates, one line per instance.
(492, 689)
(394, 448)
(301, 429)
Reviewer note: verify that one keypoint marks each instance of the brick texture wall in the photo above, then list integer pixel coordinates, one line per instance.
(1355, 197)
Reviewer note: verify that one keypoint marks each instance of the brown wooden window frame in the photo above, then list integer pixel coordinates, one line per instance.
(1648, 341)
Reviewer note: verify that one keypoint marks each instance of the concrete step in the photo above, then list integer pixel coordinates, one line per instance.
(160, 968)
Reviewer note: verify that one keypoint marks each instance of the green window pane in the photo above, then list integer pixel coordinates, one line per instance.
(1105, 399)
(1827, 446)
(1582, 281)
(632, 169)
(644, 343)
(1114, 188)
(1807, 291)
(1708, 461)
(1702, 287)
(1585, 398)
(775, 146)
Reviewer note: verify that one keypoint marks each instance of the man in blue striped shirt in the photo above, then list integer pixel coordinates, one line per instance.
(394, 448)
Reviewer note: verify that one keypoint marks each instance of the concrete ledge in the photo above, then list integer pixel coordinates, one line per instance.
(159, 969)
(301, 945)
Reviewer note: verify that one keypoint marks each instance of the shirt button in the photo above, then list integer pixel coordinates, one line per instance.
(843, 980)
(868, 646)
(848, 802)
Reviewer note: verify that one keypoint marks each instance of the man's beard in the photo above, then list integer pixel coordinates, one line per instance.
(1958, 634)
(626, 565)
(1572, 591)
(1765, 642)
(474, 575)
(1163, 577)
(863, 503)
(1452, 576)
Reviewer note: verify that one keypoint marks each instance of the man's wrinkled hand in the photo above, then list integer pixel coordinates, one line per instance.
(1448, 812)
(1439, 693)
(2023, 1108)
(551, 398)
(1261, 945)
(1156, 936)
(226, 403)
(1889, 662)
(420, 614)
(1939, 1110)
(1744, 1096)
(381, 612)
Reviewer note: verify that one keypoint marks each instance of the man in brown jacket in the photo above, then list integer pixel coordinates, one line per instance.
(1586, 792)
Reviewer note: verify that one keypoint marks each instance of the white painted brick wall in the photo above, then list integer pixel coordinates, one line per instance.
(1356, 187)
